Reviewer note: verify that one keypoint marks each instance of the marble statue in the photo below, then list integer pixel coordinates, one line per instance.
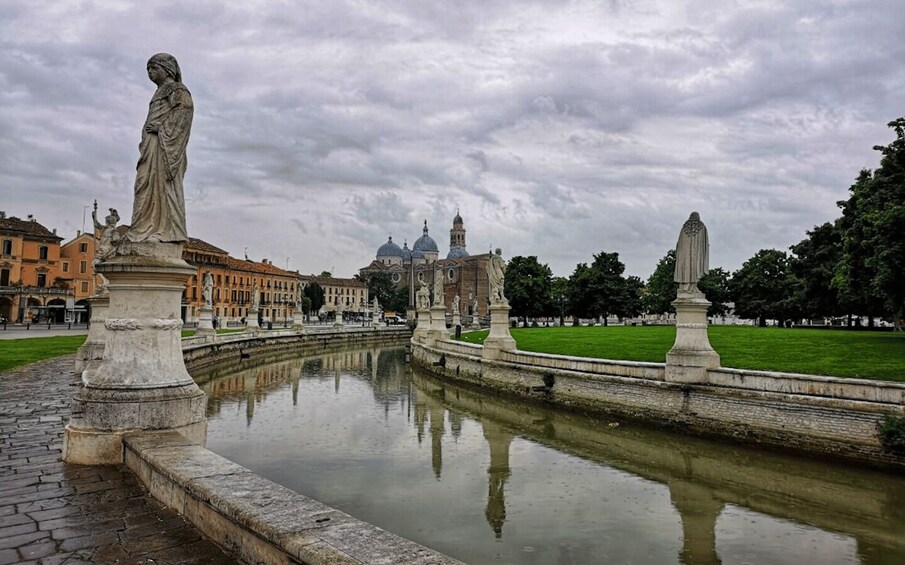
(207, 289)
(496, 273)
(375, 305)
(423, 296)
(455, 304)
(107, 241)
(692, 255)
(474, 306)
(158, 213)
(255, 296)
(438, 286)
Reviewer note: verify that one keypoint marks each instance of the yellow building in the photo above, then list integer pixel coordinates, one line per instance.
(32, 286)
(351, 293)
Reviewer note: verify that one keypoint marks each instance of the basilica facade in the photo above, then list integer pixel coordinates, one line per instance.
(464, 275)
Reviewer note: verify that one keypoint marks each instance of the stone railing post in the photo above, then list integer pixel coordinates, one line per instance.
(691, 355)
(499, 339)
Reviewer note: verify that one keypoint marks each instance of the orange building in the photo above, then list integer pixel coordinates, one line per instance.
(234, 281)
(32, 285)
(77, 258)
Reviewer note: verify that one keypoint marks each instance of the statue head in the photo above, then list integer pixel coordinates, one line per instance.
(112, 218)
(695, 216)
(169, 65)
(498, 251)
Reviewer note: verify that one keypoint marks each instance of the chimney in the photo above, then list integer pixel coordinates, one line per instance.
(54, 231)
(31, 217)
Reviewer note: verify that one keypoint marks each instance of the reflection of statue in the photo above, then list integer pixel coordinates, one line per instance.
(455, 304)
(496, 271)
(158, 213)
(692, 255)
(106, 242)
(207, 288)
(255, 296)
(438, 286)
(423, 296)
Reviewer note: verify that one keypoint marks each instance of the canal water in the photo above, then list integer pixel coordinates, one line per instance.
(490, 480)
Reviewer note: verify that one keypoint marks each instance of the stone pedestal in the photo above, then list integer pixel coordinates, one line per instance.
(475, 321)
(338, 321)
(499, 339)
(456, 320)
(205, 322)
(141, 383)
(298, 323)
(251, 321)
(438, 329)
(92, 351)
(423, 325)
(691, 356)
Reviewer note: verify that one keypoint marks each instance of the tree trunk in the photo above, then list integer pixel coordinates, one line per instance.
(762, 322)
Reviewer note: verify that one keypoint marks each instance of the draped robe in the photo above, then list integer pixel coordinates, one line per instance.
(158, 213)
(692, 254)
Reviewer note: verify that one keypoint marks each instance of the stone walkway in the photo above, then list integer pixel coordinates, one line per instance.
(55, 513)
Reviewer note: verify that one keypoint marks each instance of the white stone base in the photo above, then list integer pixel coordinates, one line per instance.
(423, 325)
(691, 356)
(251, 321)
(141, 382)
(499, 339)
(438, 329)
(206, 322)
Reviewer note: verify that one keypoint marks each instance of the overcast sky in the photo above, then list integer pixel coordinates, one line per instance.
(560, 129)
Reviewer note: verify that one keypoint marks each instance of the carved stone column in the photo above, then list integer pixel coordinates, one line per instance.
(141, 383)
(499, 339)
(691, 356)
(93, 348)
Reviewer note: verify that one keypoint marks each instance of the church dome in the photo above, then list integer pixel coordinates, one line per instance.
(389, 249)
(425, 243)
(406, 252)
(457, 253)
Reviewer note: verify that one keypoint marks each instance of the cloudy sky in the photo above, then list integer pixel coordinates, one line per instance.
(559, 128)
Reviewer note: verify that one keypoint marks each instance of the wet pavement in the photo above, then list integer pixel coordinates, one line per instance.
(56, 513)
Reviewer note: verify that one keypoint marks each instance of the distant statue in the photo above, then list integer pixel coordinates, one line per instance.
(300, 294)
(207, 289)
(455, 304)
(474, 306)
(158, 213)
(438, 286)
(339, 308)
(496, 273)
(422, 295)
(375, 306)
(692, 255)
(255, 296)
(107, 240)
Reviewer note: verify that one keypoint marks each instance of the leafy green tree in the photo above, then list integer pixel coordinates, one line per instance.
(315, 294)
(660, 290)
(873, 225)
(527, 287)
(631, 303)
(600, 289)
(558, 303)
(400, 300)
(306, 305)
(715, 285)
(814, 263)
(762, 288)
(381, 286)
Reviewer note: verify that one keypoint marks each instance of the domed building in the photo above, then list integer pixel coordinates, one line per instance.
(464, 275)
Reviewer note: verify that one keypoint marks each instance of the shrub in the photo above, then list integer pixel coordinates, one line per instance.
(891, 431)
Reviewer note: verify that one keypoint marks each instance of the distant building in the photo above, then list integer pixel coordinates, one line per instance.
(464, 275)
(77, 257)
(32, 285)
(351, 293)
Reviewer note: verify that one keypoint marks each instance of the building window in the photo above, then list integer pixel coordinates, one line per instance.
(42, 279)
(83, 267)
(7, 247)
(42, 253)
(65, 267)
(85, 286)
(83, 247)
(4, 277)
(451, 274)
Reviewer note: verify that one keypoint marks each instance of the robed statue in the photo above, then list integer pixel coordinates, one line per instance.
(207, 289)
(158, 213)
(422, 295)
(496, 275)
(438, 286)
(692, 255)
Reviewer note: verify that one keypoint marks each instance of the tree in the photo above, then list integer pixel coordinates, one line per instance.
(315, 294)
(873, 225)
(762, 287)
(380, 285)
(814, 263)
(600, 289)
(660, 290)
(631, 303)
(558, 304)
(715, 285)
(527, 287)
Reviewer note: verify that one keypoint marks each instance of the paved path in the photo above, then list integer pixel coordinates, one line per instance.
(55, 513)
(19, 332)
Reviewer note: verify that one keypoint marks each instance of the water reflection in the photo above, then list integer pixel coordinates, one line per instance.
(552, 487)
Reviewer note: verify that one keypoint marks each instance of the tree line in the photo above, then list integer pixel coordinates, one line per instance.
(852, 266)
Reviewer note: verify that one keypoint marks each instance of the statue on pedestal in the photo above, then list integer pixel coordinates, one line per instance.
(455, 304)
(158, 213)
(438, 286)
(692, 255)
(422, 296)
(255, 296)
(106, 242)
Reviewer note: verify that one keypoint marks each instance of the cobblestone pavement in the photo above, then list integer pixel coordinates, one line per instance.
(55, 513)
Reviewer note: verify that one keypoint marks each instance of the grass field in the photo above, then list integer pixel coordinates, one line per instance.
(870, 355)
(15, 352)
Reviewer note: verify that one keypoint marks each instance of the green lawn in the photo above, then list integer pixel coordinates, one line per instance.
(870, 355)
(15, 352)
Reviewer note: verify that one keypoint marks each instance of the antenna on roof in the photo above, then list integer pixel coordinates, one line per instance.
(246, 252)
